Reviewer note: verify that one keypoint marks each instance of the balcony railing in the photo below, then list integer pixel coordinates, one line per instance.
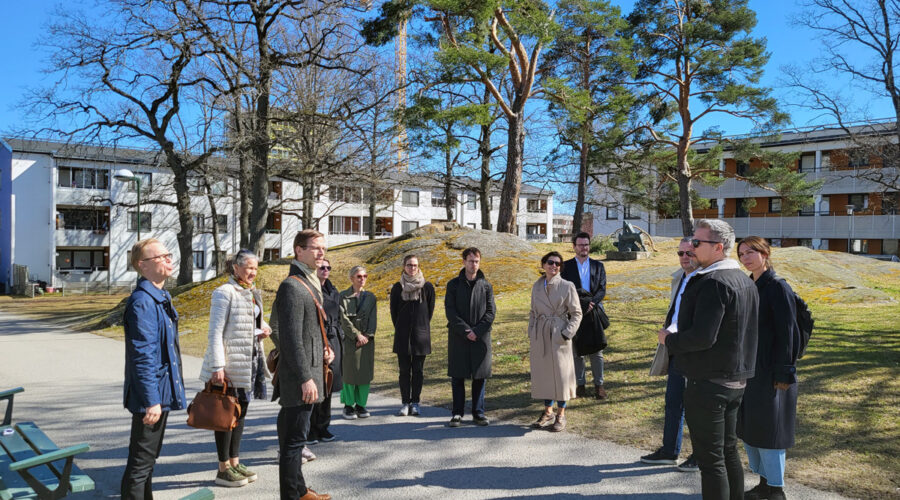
(535, 237)
(824, 227)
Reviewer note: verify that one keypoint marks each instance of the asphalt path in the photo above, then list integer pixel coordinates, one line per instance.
(73, 390)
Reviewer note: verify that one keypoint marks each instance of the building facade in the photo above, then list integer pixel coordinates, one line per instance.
(65, 215)
(851, 211)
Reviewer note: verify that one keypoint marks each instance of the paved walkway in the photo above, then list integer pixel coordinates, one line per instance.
(73, 390)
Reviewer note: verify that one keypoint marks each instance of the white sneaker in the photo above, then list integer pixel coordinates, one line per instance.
(307, 455)
(404, 411)
(414, 409)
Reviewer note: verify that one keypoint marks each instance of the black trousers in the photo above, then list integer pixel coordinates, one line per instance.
(320, 419)
(143, 450)
(411, 377)
(228, 443)
(711, 411)
(293, 427)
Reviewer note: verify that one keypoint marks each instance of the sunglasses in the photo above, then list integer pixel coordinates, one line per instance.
(325, 268)
(682, 253)
(362, 276)
(696, 243)
(554, 263)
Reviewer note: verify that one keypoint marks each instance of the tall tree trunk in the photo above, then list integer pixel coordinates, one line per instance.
(449, 199)
(185, 236)
(512, 184)
(309, 199)
(484, 186)
(578, 216)
(371, 228)
(244, 184)
(214, 216)
(259, 211)
(684, 193)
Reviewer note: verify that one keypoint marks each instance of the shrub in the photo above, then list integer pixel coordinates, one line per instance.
(602, 244)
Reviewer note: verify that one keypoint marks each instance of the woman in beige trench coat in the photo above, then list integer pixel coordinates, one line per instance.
(553, 321)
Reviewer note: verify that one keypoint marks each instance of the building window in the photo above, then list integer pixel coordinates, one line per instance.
(859, 201)
(713, 203)
(273, 222)
(83, 178)
(411, 199)
(146, 223)
(84, 219)
(218, 261)
(804, 242)
(437, 198)
(218, 188)
(808, 210)
(859, 246)
(612, 213)
(381, 195)
(345, 194)
(270, 254)
(339, 224)
(82, 259)
(775, 242)
(743, 168)
(471, 201)
(146, 182)
(199, 223)
(222, 223)
(890, 204)
(408, 225)
(384, 226)
(857, 159)
(741, 208)
(195, 185)
(536, 206)
(775, 205)
(199, 259)
(630, 212)
(275, 190)
(536, 231)
(472, 225)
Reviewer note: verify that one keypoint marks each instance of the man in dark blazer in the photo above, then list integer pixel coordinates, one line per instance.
(154, 383)
(587, 274)
(302, 352)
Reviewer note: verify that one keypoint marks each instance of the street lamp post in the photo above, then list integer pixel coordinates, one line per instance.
(850, 229)
(126, 175)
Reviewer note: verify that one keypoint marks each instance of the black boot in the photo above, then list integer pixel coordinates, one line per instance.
(758, 492)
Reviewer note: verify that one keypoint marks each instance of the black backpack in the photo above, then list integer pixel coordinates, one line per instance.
(805, 321)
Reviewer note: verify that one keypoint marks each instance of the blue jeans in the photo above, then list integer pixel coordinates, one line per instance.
(459, 396)
(711, 412)
(767, 463)
(674, 422)
(581, 367)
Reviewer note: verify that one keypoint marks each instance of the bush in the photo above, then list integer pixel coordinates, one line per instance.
(602, 244)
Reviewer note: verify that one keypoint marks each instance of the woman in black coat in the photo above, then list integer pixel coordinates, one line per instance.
(769, 408)
(412, 305)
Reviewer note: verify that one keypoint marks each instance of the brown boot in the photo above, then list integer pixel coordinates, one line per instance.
(312, 495)
(580, 391)
(559, 425)
(545, 421)
(599, 392)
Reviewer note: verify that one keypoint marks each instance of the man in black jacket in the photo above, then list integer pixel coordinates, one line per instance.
(587, 274)
(469, 305)
(715, 349)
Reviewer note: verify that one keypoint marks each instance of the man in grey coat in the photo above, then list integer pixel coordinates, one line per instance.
(302, 356)
(469, 305)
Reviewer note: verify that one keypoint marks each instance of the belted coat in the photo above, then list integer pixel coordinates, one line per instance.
(553, 320)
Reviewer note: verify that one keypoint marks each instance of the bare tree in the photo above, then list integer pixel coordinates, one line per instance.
(124, 78)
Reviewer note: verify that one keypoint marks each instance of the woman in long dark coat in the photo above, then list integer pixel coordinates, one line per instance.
(769, 408)
(412, 305)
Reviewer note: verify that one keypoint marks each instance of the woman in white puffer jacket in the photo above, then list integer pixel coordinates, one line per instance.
(235, 353)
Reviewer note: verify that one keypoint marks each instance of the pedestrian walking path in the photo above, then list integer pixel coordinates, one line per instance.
(73, 390)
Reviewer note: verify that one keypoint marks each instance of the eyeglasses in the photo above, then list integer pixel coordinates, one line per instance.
(682, 253)
(324, 268)
(165, 256)
(696, 243)
(554, 263)
(412, 265)
(362, 276)
(582, 244)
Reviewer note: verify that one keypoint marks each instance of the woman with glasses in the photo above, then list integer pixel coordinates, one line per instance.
(768, 412)
(359, 317)
(553, 320)
(234, 354)
(331, 302)
(412, 305)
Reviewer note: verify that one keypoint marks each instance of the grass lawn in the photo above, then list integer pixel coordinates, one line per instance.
(848, 436)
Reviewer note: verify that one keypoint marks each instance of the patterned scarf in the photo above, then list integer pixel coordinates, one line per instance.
(412, 286)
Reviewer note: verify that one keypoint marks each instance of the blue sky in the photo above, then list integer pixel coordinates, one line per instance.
(21, 26)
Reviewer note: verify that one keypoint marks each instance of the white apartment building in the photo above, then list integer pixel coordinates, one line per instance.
(849, 211)
(65, 216)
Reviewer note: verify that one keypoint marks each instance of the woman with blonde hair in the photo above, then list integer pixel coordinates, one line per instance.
(359, 317)
(768, 412)
(234, 354)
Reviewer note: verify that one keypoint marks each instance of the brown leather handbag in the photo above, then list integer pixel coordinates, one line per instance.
(214, 410)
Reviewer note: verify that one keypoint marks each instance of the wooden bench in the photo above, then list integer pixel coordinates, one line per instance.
(32, 466)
